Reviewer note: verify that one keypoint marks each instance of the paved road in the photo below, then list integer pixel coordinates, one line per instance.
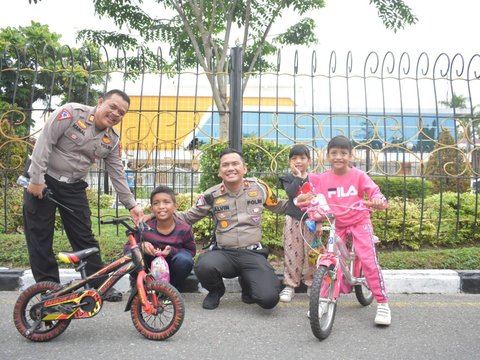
(424, 327)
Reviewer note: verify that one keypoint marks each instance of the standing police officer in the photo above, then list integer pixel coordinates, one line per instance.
(74, 137)
(236, 205)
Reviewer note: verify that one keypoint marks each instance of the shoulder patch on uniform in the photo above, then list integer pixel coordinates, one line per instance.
(201, 201)
(64, 114)
(271, 198)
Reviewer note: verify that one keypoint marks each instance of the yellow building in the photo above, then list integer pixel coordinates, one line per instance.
(166, 123)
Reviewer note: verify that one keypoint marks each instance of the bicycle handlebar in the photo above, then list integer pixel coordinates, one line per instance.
(320, 209)
(123, 221)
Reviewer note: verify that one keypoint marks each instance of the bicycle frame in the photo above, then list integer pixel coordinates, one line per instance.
(44, 310)
(114, 272)
(342, 261)
(338, 270)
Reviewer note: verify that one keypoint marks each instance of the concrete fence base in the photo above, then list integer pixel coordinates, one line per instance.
(397, 281)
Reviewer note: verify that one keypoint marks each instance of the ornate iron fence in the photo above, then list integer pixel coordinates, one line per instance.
(401, 113)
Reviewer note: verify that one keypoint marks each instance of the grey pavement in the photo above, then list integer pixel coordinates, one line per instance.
(424, 326)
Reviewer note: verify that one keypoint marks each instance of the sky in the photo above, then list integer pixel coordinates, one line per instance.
(343, 25)
(444, 26)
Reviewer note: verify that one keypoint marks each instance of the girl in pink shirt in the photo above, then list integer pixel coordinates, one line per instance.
(344, 185)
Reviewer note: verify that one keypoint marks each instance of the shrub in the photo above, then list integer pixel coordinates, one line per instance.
(14, 201)
(446, 166)
(403, 226)
(439, 218)
(408, 188)
(449, 211)
(13, 152)
(104, 201)
(264, 160)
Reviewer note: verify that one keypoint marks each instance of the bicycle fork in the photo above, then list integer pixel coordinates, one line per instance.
(330, 259)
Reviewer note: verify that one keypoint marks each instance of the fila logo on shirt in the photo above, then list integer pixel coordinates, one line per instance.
(341, 192)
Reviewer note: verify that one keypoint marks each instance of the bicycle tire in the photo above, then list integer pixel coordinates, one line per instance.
(322, 324)
(170, 313)
(363, 293)
(26, 310)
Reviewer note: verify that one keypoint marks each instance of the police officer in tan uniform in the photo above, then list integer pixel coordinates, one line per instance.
(236, 205)
(74, 137)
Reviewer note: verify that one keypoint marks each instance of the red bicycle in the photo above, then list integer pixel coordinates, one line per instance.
(44, 310)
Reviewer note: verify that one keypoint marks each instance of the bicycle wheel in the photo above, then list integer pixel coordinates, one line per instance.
(363, 293)
(323, 306)
(28, 310)
(170, 312)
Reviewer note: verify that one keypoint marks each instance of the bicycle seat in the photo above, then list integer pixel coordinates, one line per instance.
(75, 256)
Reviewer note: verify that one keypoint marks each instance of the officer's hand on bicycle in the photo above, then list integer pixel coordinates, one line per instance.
(137, 214)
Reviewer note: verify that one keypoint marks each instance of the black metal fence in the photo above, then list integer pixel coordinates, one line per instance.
(401, 112)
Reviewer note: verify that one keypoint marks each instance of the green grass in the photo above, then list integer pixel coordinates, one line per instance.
(454, 259)
(14, 253)
(111, 239)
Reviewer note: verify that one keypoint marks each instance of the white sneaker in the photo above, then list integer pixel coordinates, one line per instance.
(287, 294)
(383, 316)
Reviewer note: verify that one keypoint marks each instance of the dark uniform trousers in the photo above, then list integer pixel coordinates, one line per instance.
(256, 276)
(39, 222)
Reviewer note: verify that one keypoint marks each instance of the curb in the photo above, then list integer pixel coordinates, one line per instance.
(398, 281)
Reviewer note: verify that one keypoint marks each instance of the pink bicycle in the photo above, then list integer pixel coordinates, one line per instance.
(338, 269)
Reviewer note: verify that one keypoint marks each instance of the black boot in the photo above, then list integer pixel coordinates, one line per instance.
(212, 300)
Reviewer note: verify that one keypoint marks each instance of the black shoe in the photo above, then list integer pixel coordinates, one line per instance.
(247, 298)
(212, 299)
(113, 295)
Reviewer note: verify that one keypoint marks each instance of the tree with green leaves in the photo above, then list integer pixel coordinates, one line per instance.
(447, 166)
(203, 32)
(456, 102)
(35, 67)
(468, 126)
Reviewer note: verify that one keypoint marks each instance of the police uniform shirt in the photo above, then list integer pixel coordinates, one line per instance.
(69, 144)
(238, 215)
